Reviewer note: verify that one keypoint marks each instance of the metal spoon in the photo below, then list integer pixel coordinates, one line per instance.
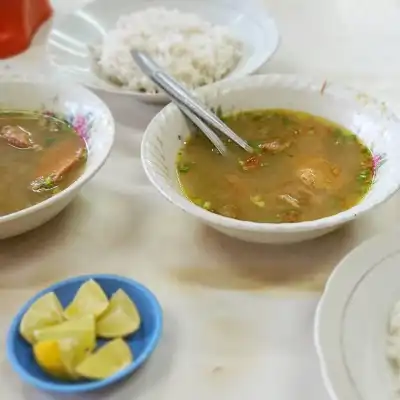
(197, 112)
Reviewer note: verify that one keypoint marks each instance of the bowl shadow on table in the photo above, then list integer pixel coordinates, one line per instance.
(73, 231)
(25, 245)
(245, 266)
(149, 377)
(19, 251)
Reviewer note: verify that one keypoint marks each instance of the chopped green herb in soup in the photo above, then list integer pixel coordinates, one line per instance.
(303, 168)
(39, 156)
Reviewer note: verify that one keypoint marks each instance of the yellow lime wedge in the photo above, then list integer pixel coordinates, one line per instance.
(75, 340)
(60, 357)
(73, 352)
(120, 319)
(81, 330)
(46, 311)
(90, 299)
(49, 357)
(108, 360)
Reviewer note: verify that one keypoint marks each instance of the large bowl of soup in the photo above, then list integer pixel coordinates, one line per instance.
(54, 137)
(323, 155)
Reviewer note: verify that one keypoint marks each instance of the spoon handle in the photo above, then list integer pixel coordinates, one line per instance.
(217, 142)
(183, 97)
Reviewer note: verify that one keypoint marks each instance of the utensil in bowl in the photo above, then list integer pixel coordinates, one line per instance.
(84, 111)
(142, 343)
(376, 126)
(188, 103)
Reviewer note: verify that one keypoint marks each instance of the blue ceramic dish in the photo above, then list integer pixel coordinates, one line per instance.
(142, 343)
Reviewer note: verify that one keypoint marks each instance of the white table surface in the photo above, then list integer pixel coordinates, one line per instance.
(238, 317)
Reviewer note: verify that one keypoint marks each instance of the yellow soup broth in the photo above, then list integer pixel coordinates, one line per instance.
(39, 156)
(303, 168)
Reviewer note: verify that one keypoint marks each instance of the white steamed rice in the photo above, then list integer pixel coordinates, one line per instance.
(192, 50)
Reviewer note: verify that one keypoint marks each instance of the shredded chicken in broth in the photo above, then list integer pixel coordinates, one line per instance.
(39, 156)
(304, 168)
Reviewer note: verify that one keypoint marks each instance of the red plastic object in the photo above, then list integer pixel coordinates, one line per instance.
(19, 21)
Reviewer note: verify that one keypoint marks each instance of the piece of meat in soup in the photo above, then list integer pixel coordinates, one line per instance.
(319, 174)
(274, 147)
(17, 137)
(57, 163)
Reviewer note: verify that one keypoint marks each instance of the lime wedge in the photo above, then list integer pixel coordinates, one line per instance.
(108, 360)
(60, 357)
(46, 311)
(81, 330)
(90, 299)
(75, 340)
(49, 357)
(120, 319)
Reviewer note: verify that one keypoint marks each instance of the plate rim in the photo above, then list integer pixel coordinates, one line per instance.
(384, 244)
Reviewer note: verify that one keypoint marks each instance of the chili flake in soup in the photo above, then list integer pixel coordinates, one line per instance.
(304, 168)
(39, 156)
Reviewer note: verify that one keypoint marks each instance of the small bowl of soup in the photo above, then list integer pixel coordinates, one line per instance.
(54, 137)
(322, 156)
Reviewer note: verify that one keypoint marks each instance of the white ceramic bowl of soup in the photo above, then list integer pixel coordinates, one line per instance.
(85, 112)
(367, 118)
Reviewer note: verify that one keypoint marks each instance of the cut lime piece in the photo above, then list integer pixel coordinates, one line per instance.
(75, 340)
(105, 362)
(74, 351)
(46, 311)
(82, 330)
(89, 300)
(120, 319)
(60, 357)
(48, 355)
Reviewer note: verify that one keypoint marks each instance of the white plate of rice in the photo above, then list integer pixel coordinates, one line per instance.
(357, 326)
(197, 41)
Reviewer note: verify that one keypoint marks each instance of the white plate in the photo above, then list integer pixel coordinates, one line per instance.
(352, 320)
(69, 39)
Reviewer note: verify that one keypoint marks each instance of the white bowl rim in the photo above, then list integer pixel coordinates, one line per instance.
(230, 223)
(86, 176)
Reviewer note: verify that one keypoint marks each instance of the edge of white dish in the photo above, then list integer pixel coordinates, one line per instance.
(341, 379)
